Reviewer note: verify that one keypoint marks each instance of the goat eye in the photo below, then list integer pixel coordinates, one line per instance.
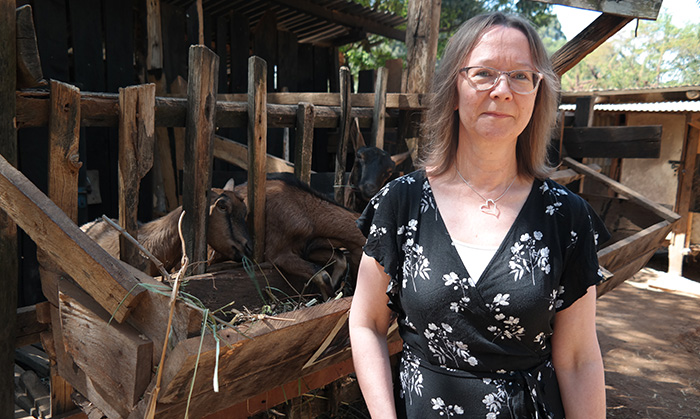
(220, 204)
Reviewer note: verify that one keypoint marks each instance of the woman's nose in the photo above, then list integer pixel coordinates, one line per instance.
(502, 89)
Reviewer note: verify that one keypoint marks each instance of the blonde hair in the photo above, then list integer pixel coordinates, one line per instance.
(441, 121)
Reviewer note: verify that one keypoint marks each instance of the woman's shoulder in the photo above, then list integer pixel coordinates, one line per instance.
(404, 184)
(559, 193)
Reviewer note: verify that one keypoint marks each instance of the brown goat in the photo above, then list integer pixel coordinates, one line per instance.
(304, 230)
(227, 232)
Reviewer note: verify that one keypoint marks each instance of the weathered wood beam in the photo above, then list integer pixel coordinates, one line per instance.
(29, 327)
(645, 9)
(71, 249)
(336, 16)
(587, 41)
(342, 148)
(136, 149)
(682, 229)
(630, 194)
(421, 40)
(29, 73)
(379, 117)
(304, 142)
(257, 152)
(9, 255)
(614, 142)
(102, 110)
(199, 139)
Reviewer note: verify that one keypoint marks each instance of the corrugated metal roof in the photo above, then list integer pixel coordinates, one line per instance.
(331, 22)
(678, 106)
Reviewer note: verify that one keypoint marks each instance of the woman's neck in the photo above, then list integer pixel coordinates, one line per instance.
(486, 169)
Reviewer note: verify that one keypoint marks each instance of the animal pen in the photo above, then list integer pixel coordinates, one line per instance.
(104, 325)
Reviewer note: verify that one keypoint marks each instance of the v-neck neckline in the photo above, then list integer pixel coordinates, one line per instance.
(499, 249)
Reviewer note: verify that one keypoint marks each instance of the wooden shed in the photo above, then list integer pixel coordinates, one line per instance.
(51, 131)
(671, 178)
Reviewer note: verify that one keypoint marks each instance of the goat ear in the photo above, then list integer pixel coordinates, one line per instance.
(229, 185)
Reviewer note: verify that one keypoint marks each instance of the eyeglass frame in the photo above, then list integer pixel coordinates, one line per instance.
(464, 70)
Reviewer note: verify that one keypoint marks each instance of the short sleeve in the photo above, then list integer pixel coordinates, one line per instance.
(581, 269)
(384, 222)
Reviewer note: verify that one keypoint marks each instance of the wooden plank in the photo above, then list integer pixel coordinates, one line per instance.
(618, 254)
(661, 94)
(421, 42)
(236, 153)
(136, 148)
(587, 41)
(334, 15)
(287, 61)
(304, 142)
(344, 135)
(257, 152)
(661, 211)
(200, 128)
(284, 393)
(102, 110)
(75, 376)
(247, 366)
(29, 73)
(615, 142)
(71, 249)
(264, 40)
(240, 50)
(179, 86)
(624, 273)
(645, 9)
(379, 117)
(9, 255)
(28, 329)
(116, 356)
(415, 101)
(63, 168)
(684, 196)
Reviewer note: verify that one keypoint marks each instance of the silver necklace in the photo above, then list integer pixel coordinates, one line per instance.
(489, 206)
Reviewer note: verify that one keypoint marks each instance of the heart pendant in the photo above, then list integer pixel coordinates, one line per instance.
(489, 207)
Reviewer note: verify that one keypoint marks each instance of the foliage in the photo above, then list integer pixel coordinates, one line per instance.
(660, 55)
(374, 51)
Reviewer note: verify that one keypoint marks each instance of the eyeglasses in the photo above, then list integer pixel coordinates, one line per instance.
(522, 82)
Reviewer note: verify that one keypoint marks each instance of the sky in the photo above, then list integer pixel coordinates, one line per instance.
(573, 20)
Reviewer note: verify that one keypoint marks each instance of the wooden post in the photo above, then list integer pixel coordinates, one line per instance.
(8, 230)
(200, 126)
(136, 149)
(64, 164)
(304, 142)
(164, 185)
(257, 152)
(421, 43)
(342, 150)
(379, 117)
(680, 238)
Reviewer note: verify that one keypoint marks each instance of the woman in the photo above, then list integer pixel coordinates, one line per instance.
(489, 267)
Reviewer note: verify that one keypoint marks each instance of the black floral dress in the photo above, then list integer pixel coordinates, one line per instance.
(480, 349)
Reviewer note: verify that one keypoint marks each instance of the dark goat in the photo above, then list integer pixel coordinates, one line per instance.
(304, 231)
(227, 232)
(373, 167)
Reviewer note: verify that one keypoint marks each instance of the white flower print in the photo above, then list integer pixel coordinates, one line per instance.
(541, 339)
(496, 400)
(415, 264)
(510, 326)
(458, 284)
(444, 409)
(375, 231)
(410, 377)
(526, 256)
(426, 200)
(554, 301)
(554, 192)
(444, 349)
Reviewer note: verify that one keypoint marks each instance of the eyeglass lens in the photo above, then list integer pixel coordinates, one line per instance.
(520, 81)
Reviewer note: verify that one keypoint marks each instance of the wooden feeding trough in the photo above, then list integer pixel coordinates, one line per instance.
(638, 227)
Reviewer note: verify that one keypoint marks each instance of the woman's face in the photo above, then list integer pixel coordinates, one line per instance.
(497, 114)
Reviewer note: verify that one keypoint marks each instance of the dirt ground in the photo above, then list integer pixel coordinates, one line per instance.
(650, 341)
